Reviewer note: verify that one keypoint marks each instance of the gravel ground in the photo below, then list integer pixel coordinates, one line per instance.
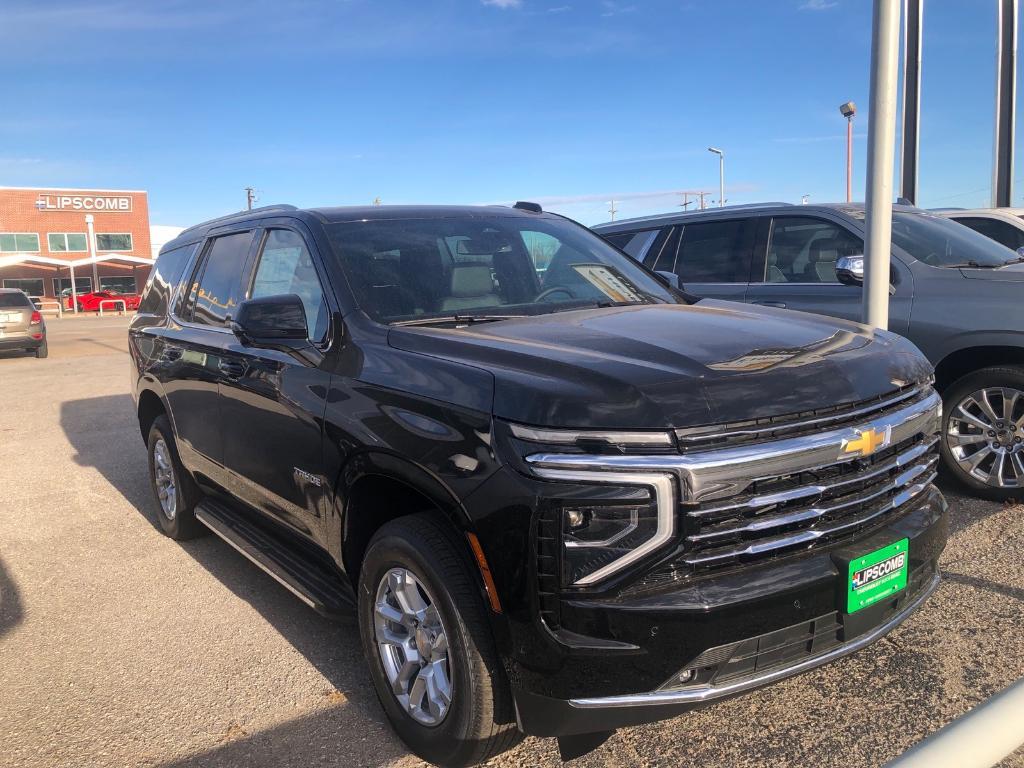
(120, 647)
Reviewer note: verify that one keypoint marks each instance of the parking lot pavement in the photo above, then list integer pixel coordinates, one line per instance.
(119, 647)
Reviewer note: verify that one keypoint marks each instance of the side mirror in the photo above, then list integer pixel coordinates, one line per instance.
(273, 322)
(850, 270)
(669, 277)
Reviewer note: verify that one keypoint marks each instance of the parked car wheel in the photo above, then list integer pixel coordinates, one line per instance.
(430, 650)
(42, 351)
(983, 432)
(176, 492)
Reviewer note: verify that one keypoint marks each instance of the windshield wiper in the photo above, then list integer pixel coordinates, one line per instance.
(974, 265)
(459, 319)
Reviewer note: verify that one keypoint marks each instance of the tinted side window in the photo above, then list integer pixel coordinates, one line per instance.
(286, 267)
(662, 255)
(164, 279)
(634, 243)
(805, 250)
(1000, 231)
(716, 252)
(215, 293)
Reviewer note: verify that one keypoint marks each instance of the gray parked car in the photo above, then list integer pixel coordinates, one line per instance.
(21, 324)
(955, 293)
(1004, 225)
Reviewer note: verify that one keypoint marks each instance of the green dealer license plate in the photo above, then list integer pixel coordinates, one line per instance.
(876, 576)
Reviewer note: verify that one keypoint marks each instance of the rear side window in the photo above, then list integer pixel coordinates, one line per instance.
(716, 252)
(14, 301)
(163, 279)
(1000, 231)
(215, 292)
(287, 267)
(805, 250)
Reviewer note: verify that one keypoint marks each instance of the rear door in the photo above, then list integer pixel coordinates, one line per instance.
(273, 402)
(198, 355)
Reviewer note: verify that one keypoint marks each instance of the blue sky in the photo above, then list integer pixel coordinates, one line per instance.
(335, 102)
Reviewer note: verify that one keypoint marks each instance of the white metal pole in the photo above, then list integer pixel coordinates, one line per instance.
(978, 739)
(74, 292)
(92, 252)
(881, 153)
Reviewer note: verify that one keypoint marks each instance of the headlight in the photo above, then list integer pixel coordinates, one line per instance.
(597, 536)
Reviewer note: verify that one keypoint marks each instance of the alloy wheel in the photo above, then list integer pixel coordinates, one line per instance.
(985, 435)
(413, 646)
(166, 482)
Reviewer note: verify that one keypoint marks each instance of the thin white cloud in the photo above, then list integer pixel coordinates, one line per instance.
(816, 139)
(818, 5)
(612, 8)
(560, 9)
(503, 3)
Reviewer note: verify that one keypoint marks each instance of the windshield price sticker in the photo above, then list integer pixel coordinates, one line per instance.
(877, 575)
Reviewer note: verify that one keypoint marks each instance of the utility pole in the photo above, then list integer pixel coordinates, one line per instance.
(686, 201)
(376, 200)
(803, 199)
(250, 197)
(701, 195)
(885, 44)
(612, 209)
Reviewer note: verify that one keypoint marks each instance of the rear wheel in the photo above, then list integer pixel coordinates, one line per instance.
(427, 639)
(176, 492)
(983, 432)
(42, 350)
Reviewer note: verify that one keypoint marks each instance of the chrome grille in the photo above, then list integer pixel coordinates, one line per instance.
(840, 499)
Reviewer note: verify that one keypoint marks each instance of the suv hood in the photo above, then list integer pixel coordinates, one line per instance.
(672, 366)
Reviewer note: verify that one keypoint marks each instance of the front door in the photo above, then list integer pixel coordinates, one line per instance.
(273, 402)
(799, 272)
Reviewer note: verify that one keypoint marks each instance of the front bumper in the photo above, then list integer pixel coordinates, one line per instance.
(745, 629)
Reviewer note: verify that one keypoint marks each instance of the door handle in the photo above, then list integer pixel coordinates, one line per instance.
(779, 304)
(233, 369)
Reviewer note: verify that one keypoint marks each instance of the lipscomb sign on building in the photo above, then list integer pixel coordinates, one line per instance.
(108, 203)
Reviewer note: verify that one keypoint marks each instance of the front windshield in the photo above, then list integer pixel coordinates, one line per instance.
(484, 266)
(944, 243)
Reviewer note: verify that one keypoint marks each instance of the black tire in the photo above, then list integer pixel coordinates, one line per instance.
(42, 351)
(953, 396)
(183, 524)
(480, 721)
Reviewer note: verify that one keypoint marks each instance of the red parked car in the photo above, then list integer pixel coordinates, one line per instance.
(90, 302)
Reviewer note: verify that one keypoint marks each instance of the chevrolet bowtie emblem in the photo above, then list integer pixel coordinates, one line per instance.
(867, 442)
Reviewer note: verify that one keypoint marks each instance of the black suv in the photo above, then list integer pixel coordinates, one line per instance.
(561, 496)
(955, 293)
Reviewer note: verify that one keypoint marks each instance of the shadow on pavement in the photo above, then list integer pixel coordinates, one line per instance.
(1016, 593)
(11, 612)
(105, 435)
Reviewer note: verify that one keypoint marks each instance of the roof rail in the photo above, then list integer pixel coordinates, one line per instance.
(696, 212)
(237, 215)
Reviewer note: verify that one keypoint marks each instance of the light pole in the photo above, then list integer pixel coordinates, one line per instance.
(848, 110)
(612, 209)
(721, 174)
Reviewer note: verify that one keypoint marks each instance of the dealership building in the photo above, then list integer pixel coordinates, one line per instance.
(99, 237)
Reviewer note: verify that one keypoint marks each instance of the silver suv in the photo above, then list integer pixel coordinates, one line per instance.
(21, 324)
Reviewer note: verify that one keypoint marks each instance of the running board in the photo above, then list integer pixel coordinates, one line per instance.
(314, 583)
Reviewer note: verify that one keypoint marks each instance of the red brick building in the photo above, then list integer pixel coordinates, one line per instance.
(45, 237)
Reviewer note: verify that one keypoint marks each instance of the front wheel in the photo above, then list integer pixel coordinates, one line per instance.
(429, 646)
(983, 432)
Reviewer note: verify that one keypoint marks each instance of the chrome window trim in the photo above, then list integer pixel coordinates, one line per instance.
(725, 472)
(710, 693)
(664, 494)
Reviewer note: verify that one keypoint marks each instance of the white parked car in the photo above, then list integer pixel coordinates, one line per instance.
(1004, 225)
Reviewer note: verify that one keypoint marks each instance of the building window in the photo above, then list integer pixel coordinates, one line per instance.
(106, 241)
(63, 242)
(33, 286)
(118, 284)
(19, 242)
(61, 284)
